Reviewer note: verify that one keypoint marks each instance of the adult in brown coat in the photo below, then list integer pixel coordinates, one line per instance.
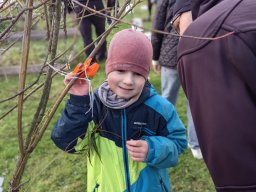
(219, 79)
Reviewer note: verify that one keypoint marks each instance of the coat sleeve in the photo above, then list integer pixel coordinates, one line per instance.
(158, 24)
(73, 123)
(163, 151)
(244, 60)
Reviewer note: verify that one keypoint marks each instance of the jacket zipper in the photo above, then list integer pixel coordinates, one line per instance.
(96, 187)
(162, 185)
(125, 154)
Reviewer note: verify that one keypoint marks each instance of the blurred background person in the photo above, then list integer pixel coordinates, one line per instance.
(87, 20)
(165, 63)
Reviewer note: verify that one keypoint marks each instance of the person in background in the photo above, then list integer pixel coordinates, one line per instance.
(218, 76)
(165, 63)
(112, 8)
(130, 118)
(150, 4)
(87, 20)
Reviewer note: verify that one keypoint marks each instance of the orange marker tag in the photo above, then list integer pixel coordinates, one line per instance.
(86, 69)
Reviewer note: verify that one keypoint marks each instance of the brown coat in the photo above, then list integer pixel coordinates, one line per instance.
(219, 79)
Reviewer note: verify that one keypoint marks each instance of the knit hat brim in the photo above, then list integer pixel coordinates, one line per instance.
(130, 50)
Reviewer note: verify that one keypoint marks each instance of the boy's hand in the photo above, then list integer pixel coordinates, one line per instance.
(137, 149)
(80, 86)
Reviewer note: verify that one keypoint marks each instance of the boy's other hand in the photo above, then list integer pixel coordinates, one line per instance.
(80, 86)
(137, 149)
(156, 67)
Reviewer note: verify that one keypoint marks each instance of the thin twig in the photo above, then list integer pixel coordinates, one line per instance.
(1, 6)
(11, 4)
(47, 85)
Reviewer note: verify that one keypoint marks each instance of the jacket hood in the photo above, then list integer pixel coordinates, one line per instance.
(207, 29)
(201, 6)
(198, 7)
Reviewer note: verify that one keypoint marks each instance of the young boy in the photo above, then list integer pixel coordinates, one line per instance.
(131, 118)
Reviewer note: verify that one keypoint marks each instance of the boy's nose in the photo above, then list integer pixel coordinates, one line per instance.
(128, 78)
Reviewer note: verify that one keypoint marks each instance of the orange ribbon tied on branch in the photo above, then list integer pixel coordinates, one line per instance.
(86, 69)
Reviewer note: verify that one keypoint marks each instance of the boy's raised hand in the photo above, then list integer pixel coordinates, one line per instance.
(137, 149)
(80, 86)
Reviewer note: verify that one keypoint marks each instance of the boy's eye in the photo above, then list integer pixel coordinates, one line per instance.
(137, 74)
(124, 71)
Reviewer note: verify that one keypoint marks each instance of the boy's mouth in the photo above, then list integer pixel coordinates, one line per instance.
(124, 88)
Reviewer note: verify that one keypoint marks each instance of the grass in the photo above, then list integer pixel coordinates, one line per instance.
(50, 169)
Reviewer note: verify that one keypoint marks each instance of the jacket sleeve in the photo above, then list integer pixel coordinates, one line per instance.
(73, 123)
(163, 151)
(111, 3)
(159, 24)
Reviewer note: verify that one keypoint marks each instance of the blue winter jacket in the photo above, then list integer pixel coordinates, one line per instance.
(110, 169)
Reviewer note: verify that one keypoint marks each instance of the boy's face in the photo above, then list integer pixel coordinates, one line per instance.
(126, 84)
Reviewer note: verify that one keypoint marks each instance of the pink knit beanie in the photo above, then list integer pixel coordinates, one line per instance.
(129, 50)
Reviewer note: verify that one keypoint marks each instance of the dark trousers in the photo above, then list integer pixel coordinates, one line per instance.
(86, 24)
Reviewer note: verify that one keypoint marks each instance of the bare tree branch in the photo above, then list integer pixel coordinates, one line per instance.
(11, 4)
(22, 79)
(47, 86)
(6, 18)
(23, 70)
(3, 4)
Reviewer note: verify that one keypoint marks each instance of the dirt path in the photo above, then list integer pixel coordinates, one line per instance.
(40, 35)
(14, 70)
(35, 35)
